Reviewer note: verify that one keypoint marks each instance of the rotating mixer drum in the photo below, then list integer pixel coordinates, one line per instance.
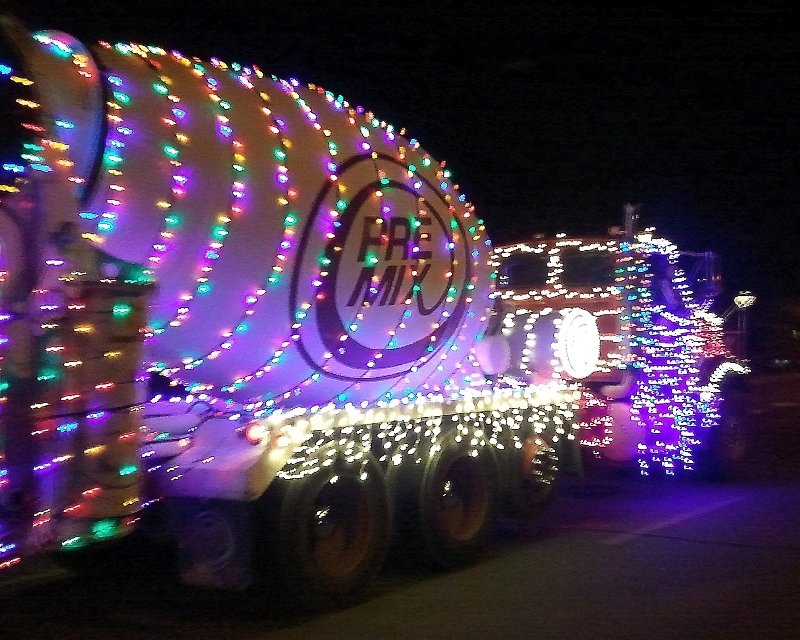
(304, 250)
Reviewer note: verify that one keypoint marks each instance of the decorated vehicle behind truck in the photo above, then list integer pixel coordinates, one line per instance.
(246, 305)
(667, 390)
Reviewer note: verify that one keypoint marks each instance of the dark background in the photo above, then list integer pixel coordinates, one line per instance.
(550, 115)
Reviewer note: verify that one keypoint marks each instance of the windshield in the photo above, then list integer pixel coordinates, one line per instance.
(587, 268)
(524, 271)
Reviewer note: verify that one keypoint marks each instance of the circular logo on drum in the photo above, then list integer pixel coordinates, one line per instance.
(384, 273)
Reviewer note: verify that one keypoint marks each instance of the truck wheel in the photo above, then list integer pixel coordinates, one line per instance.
(213, 542)
(332, 531)
(728, 441)
(533, 476)
(445, 506)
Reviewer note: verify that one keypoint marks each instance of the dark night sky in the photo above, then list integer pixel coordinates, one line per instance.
(551, 115)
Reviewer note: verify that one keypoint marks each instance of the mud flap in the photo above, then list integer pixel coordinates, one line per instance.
(213, 539)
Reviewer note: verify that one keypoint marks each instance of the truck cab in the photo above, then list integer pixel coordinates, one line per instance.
(649, 354)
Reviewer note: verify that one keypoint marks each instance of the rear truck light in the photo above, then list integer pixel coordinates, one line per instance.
(256, 431)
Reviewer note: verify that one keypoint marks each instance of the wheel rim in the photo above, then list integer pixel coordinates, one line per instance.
(340, 526)
(463, 499)
(212, 539)
(538, 469)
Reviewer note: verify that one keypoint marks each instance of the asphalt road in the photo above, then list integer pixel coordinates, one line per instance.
(615, 557)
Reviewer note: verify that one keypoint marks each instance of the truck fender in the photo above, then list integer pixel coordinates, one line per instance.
(222, 463)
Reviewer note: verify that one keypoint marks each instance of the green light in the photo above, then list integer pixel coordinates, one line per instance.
(138, 276)
(75, 542)
(279, 154)
(219, 232)
(122, 310)
(371, 258)
(104, 529)
(341, 205)
(172, 220)
(454, 224)
(171, 151)
(203, 289)
(47, 374)
(290, 220)
(426, 162)
(161, 88)
(128, 470)
(122, 97)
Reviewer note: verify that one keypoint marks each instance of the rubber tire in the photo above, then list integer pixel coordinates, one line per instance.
(214, 545)
(727, 450)
(528, 493)
(305, 542)
(429, 517)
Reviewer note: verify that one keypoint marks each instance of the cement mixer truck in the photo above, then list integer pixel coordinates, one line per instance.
(242, 308)
(250, 305)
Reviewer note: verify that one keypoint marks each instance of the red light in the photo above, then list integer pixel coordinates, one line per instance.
(256, 431)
